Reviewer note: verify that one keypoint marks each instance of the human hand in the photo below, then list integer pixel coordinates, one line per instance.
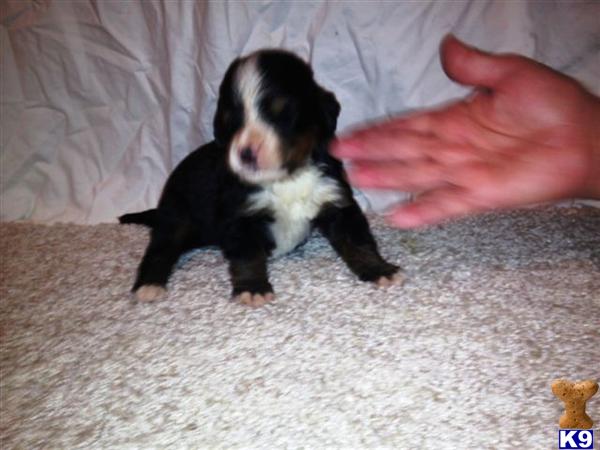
(527, 134)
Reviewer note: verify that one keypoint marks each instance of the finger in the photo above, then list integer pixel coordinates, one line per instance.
(447, 156)
(414, 177)
(450, 122)
(352, 144)
(396, 145)
(435, 206)
(470, 66)
(421, 121)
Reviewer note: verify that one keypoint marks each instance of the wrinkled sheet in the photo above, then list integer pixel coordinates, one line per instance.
(100, 100)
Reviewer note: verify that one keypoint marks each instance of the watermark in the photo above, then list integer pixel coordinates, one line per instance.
(575, 425)
(575, 439)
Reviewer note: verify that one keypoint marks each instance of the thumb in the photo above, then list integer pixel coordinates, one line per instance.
(470, 66)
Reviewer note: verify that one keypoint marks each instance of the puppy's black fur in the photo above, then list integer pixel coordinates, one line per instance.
(273, 125)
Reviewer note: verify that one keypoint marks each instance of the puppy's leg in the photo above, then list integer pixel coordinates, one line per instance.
(348, 232)
(250, 280)
(246, 245)
(165, 248)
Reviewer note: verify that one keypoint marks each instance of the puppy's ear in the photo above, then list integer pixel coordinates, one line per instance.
(220, 124)
(225, 115)
(330, 110)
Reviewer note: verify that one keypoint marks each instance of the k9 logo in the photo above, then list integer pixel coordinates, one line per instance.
(575, 439)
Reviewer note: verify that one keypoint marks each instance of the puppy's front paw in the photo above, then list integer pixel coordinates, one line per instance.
(150, 293)
(254, 300)
(397, 279)
(383, 275)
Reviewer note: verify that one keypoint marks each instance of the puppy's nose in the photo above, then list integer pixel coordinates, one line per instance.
(248, 157)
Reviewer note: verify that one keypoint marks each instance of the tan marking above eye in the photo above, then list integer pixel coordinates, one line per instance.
(278, 104)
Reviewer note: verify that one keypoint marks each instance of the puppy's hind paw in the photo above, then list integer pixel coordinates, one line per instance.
(150, 293)
(397, 279)
(253, 299)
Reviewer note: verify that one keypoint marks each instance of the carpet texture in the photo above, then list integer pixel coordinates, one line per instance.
(460, 357)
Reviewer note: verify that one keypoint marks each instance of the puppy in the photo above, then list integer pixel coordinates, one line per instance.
(261, 186)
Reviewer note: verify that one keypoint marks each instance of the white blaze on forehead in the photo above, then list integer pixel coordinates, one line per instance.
(249, 82)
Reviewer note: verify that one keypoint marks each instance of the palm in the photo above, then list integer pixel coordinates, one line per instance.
(519, 133)
(511, 149)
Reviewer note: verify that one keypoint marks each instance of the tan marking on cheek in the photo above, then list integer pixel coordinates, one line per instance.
(301, 150)
(269, 156)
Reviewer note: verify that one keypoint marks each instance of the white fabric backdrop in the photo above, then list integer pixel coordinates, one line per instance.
(101, 99)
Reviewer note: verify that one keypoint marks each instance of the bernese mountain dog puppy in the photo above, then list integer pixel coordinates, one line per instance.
(261, 186)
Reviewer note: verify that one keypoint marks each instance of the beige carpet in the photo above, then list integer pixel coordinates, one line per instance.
(461, 357)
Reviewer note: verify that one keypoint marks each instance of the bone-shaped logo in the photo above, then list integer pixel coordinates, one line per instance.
(574, 396)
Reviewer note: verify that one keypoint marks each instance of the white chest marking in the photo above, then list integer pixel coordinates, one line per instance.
(294, 202)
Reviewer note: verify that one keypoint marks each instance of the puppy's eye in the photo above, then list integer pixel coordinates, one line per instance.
(278, 105)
